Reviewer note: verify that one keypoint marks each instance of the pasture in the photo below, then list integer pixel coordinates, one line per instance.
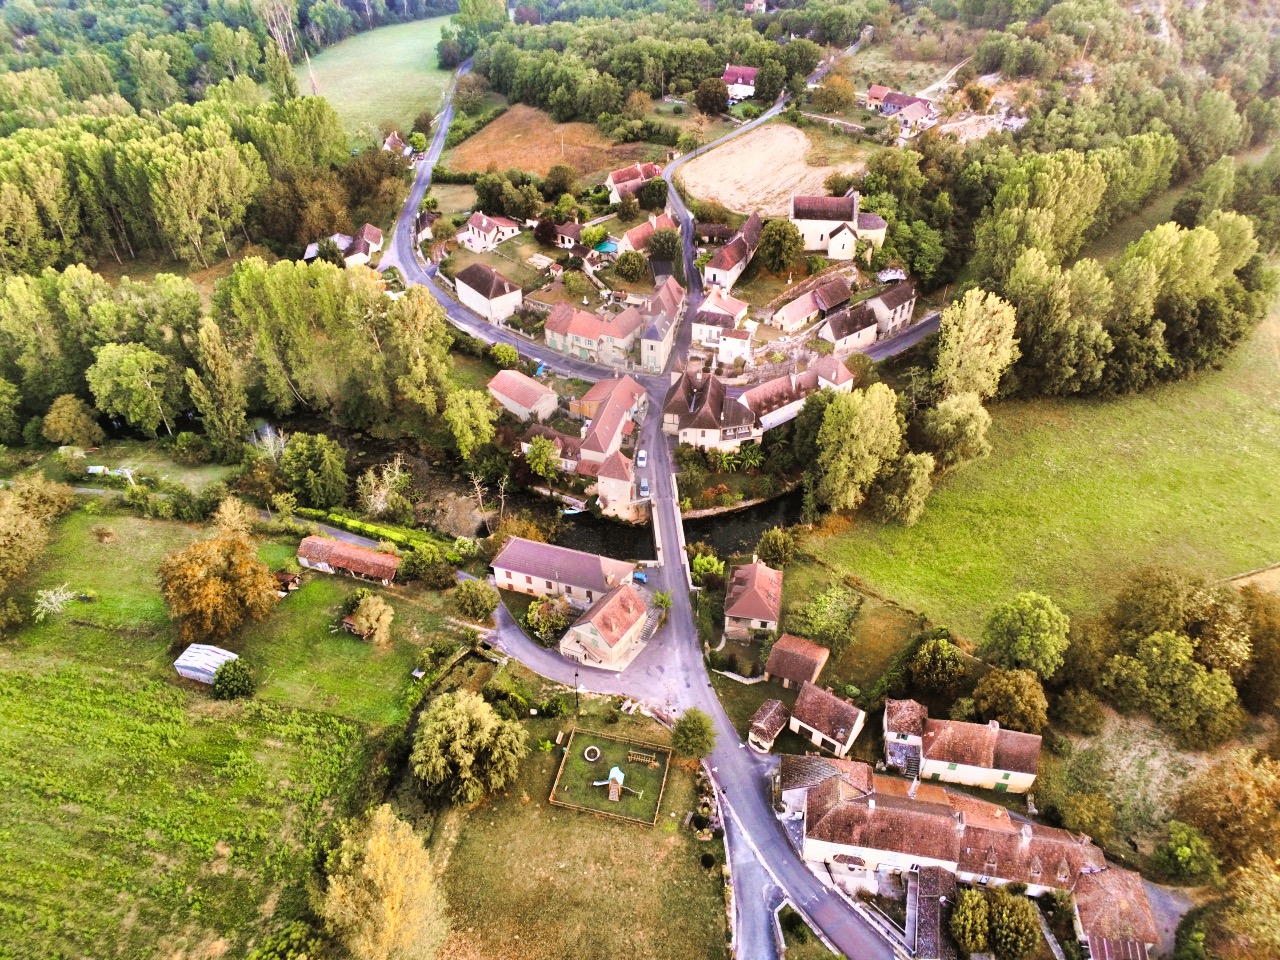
(383, 76)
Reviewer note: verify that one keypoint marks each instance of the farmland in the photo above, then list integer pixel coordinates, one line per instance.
(759, 171)
(388, 75)
(1078, 493)
(528, 139)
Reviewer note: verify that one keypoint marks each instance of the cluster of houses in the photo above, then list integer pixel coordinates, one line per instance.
(913, 114)
(357, 249)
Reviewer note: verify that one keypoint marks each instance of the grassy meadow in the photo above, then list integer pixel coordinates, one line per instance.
(1078, 493)
(383, 75)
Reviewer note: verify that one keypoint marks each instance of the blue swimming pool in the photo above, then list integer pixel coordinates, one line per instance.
(608, 246)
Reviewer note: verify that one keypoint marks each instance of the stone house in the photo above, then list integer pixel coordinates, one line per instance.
(795, 661)
(826, 720)
(975, 754)
(486, 292)
(753, 600)
(608, 633)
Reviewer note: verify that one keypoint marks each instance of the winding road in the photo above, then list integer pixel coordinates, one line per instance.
(670, 673)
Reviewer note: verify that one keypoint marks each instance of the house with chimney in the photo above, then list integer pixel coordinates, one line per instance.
(662, 312)
(482, 233)
(718, 314)
(974, 754)
(523, 396)
(753, 600)
(628, 181)
(876, 94)
(637, 238)
(727, 263)
(826, 720)
(857, 825)
(607, 338)
(835, 225)
(850, 328)
(424, 224)
(545, 570)
(699, 412)
(483, 290)
(609, 634)
(780, 400)
(741, 81)
(810, 307)
(893, 309)
(395, 144)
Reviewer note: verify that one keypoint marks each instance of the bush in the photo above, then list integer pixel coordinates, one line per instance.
(476, 600)
(678, 109)
(233, 681)
(557, 706)
(190, 449)
(1186, 854)
(701, 821)
(794, 925)
(1080, 712)
(708, 860)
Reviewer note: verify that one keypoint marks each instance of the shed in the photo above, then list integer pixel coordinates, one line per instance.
(200, 661)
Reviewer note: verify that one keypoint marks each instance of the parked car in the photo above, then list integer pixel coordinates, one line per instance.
(642, 459)
(644, 487)
(640, 577)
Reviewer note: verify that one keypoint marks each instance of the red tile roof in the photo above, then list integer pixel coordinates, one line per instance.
(745, 76)
(639, 235)
(346, 556)
(482, 223)
(614, 614)
(796, 659)
(370, 233)
(587, 571)
(905, 716)
(1113, 908)
(826, 713)
(519, 388)
(755, 593)
(769, 720)
(824, 208)
(981, 745)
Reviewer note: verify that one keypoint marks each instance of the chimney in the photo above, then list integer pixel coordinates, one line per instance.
(994, 724)
(959, 815)
(857, 202)
(1025, 833)
(871, 803)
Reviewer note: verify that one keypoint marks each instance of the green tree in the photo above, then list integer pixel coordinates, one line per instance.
(70, 421)
(860, 432)
(975, 344)
(504, 355)
(1080, 712)
(131, 381)
(470, 415)
(776, 547)
(372, 619)
(1027, 632)
(215, 586)
(955, 431)
(549, 619)
(631, 265)
(833, 95)
(1090, 813)
(938, 666)
(463, 750)
(381, 901)
(315, 469)
(651, 196)
(1234, 803)
(694, 734)
(1014, 699)
(1015, 927)
(829, 618)
(218, 392)
(543, 458)
(706, 566)
(233, 680)
(1260, 689)
(780, 245)
(970, 921)
(712, 97)
(476, 600)
(900, 491)
(664, 244)
(10, 401)
(1254, 911)
(1186, 855)
(770, 79)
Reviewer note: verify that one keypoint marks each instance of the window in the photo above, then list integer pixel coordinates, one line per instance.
(951, 766)
(588, 596)
(1005, 777)
(508, 572)
(528, 580)
(548, 584)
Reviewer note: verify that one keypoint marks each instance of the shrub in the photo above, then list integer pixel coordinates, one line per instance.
(794, 924)
(1186, 854)
(1080, 712)
(557, 706)
(708, 860)
(476, 600)
(233, 681)
(1015, 927)
(701, 821)
(190, 449)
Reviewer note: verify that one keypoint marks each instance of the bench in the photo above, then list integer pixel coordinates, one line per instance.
(641, 756)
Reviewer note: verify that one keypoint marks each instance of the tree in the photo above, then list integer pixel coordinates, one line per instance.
(833, 95)
(134, 382)
(706, 566)
(970, 921)
(233, 680)
(630, 265)
(1080, 712)
(694, 735)
(770, 79)
(476, 600)
(372, 620)
(418, 142)
(1014, 699)
(780, 245)
(543, 458)
(218, 392)
(463, 750)
(1254, 911)
(712, 97)
(560, 179)
(938, 666)
(549, 619)
(776, 547)
(652, 195)
(1234, 803)
(860, 431)
(828, 618)
(10, 401)
(1015, 927)
(381, 899)
(575, 284)
(664, 244)
(637, 106)
(1090, 813)
(1186, 855)
(975, 344)
(315, 469)
(629, 207)
(505, 355)
(70, 421)
(470, 415)
(1260, 689)
(592, 237)
(214, 587)
(1027, 632)
(955, 431)
(900, 491)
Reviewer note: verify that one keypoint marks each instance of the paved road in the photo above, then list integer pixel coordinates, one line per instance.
(907, 338)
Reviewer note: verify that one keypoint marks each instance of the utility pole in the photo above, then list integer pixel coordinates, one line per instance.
(576, 710)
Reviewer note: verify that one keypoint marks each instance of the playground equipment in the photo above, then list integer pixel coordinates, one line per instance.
(615, 783)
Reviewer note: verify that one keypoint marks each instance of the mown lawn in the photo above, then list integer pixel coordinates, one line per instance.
(545, 883)
(387, 74)
(642, 781)
(1079, 493)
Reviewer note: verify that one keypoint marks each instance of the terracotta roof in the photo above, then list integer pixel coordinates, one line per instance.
(905, 716)
(796, 659)
(829, 370)
(346, 556)
(741, 248)
(740, 75)
(897, 295)
(737, 335)
(755, 592)
(635, 174)
(1113, 908)
(486, 281)
(832, 293)
(770, 719)
(623, 386)
(519, 388)
(570, 448)
(701, 403)
(845, 323)
(772, 394)
(878, 90)
(482, 223)
(568, 320)
(616, 466)
(975, 745)
(934, 888)
(801, 772)
(370, 234)
(826, 713)
(824, 208)
(717, 301)
(606, 424)
(639, 235)
(801, 308)
(617, 612)
(571, 230)
(914, 113)
(574, 567)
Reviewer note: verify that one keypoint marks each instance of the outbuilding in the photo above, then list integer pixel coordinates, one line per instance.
(200, 662)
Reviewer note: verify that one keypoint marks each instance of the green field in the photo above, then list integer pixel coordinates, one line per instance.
(384, 75)
(1078, 493)
(141, 818)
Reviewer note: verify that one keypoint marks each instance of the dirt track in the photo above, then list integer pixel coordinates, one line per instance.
(758, 171)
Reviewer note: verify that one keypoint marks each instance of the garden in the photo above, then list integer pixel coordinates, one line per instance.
(590, 758)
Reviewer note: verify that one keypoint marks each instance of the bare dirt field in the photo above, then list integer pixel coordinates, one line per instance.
(528, 139)
(759, 171)
(1268, 579)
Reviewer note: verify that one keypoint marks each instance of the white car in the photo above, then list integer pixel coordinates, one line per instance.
(644, 487)
(642, 459)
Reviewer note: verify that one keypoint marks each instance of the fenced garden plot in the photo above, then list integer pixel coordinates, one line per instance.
(644, 766)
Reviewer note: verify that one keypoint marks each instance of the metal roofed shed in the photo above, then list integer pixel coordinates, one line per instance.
(200, 662)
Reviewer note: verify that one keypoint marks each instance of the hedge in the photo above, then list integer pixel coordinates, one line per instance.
(463, 127)
(442, 174)
(401, 537)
